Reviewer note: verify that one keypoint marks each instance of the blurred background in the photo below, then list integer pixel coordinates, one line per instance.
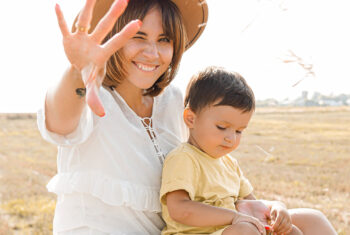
(282, 47)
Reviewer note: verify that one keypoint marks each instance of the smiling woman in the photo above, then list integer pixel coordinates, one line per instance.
(148, 55)
(159, 40)
(112, 139)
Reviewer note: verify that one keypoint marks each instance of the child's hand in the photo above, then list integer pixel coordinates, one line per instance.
(281, 220)
(254, 208)
(239, 218)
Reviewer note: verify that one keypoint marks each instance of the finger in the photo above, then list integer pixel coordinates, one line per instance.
(61, 21)
(107, 22)
(87, 73)
(282, 226)
(285, 227)
(118, 40)
(86, 14)
(93, 100)
(273, 214)
(277, 223)
(92, 75)
(268, 229)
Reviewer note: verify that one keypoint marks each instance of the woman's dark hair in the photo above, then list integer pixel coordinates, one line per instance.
(174, 29)
(216, 86)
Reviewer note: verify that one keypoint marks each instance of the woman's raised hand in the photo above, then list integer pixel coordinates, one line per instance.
(85, 52)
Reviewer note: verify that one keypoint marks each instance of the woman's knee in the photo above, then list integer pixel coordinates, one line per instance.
(311, 220)
(295, 231)
(241, 228)
(307, 215)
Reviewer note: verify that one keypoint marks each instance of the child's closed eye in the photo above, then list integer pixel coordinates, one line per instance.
(222, 128)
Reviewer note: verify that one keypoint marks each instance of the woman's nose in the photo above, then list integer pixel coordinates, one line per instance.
(151, 50)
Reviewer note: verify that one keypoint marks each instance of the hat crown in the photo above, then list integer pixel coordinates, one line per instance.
(194, 14)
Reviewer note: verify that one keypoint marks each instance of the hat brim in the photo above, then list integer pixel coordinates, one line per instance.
(194, 14)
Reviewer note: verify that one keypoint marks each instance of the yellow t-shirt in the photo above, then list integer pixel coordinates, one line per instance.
(217, 182)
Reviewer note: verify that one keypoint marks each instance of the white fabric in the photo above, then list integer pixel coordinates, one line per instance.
(109, 171)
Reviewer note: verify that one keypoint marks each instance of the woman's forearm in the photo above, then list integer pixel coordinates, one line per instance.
(63, 107)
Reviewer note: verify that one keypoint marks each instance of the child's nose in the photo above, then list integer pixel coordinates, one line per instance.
(230, 138)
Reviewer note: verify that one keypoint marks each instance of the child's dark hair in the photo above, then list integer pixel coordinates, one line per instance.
(219, 86)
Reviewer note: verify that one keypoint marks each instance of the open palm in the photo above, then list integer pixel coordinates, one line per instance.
(85, 51)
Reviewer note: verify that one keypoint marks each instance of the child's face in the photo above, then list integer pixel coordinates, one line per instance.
(217, 130)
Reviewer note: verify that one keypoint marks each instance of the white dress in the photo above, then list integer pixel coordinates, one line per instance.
(109, 169)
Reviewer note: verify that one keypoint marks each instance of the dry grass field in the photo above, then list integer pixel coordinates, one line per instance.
(300, 156)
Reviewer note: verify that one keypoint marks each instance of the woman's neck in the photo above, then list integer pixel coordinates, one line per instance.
(133, 96)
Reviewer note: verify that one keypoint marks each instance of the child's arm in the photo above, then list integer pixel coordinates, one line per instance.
(185, 211)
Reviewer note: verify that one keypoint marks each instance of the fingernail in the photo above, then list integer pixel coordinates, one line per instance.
(139, 22)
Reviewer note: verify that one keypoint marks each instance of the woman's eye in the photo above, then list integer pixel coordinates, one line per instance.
(164, 40)
(138, 37)
(239, 132)
(221, 128)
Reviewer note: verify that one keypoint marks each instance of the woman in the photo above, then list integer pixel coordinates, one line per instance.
(109, 167)
(114, 117)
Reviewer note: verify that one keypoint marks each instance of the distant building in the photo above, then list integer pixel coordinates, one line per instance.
(317, 99)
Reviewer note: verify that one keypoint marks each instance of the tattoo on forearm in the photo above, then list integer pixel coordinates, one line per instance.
(80, 92)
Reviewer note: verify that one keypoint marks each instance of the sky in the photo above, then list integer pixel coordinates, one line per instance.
(252, 37)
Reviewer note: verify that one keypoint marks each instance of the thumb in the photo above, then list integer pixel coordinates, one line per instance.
(93, 100)
(273, 215)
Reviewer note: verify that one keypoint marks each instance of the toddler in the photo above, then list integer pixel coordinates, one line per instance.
(201, 182)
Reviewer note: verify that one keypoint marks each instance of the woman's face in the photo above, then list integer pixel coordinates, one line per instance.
(149, 53)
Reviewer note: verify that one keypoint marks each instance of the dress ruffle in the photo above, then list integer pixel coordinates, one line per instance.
(110, 191)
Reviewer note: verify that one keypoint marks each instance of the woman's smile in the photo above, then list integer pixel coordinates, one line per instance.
(145, 67)
(148, 55)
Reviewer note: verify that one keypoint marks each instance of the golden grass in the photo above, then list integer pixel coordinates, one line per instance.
(300, 156)
(28, 163)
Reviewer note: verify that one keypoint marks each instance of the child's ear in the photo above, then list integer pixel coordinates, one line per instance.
(189, 117)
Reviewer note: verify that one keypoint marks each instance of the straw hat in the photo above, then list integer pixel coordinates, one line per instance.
(194, 13)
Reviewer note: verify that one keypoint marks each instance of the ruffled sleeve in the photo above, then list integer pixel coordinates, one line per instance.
(79, 135)
(114, 192)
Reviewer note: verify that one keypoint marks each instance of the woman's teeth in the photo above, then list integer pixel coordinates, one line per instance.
(146, 68)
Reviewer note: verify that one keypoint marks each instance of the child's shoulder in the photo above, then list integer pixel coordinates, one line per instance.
(181, 153)
(231, 161)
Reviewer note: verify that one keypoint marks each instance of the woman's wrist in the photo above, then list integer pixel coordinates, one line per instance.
(75, 76)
